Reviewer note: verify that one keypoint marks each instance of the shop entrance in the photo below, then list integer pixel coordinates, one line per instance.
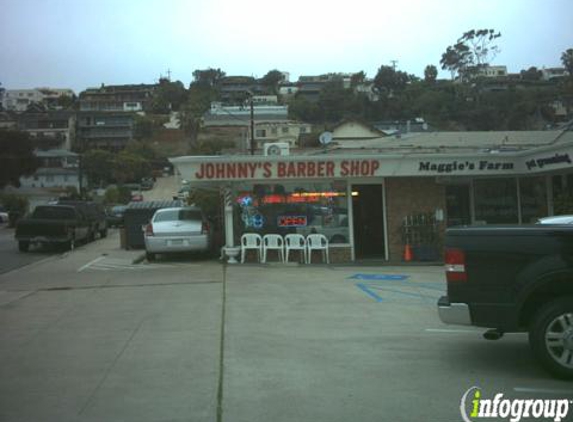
(368, 221)
(458, 205)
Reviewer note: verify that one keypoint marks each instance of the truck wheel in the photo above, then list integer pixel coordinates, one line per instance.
(23, 245)
(551, 337)
(150, 256)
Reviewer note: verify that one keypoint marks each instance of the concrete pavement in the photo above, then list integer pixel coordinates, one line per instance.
(87, 338)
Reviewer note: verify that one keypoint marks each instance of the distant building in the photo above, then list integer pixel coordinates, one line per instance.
(49, 130)
(493, 71)
(310, 87)
(287, 91)
(288, 131)
(265, 100)
(107, 114)
(236, 89)
(353, 129)
(58, 169)
(8, 121)
(220, 115)
(550, 73)
(117, 98)
(105, 130)
(403, 126)
(367, 88)
(20, 99)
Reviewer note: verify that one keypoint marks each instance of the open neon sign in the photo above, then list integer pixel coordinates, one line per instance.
(292, 221)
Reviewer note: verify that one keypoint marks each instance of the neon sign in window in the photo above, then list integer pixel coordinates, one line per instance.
(292, 221)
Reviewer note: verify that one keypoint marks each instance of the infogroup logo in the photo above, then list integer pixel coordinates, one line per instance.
(475, 407)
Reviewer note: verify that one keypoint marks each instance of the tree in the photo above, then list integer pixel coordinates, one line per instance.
(97, 166)
(531, 74)
(17, 158)
(198, 102)
(211, 147)
(66, 101)
(390, 80)
(474, 50)
(117, 195)
(129, 167)
(168, 96)
(209, 77)
(430, 74)
(141, 149)
(271, 81)
(567, 60)
(357, 78)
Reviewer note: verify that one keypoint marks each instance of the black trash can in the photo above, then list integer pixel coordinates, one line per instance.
(136, 217)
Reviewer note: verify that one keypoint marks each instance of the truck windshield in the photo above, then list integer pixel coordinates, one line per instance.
(54, 213)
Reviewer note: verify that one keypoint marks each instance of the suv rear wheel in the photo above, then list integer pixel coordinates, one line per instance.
(551, 337)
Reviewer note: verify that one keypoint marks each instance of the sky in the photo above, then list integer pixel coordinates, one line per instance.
(83, 43)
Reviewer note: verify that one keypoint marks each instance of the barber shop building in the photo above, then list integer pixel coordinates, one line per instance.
(373, 195)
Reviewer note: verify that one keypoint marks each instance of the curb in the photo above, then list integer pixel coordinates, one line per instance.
(138, 259)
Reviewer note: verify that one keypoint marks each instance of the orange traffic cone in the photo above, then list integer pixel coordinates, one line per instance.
(408, 253)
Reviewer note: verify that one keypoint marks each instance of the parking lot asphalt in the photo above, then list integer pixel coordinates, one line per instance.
(91, 336)
(11, 258)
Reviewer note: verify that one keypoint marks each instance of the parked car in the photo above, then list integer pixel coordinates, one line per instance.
(147, 183)
(115, 216)
(514, 279)
(181, 229)
(136, 197)
(62, 225)
(94, 212)
(556, 219)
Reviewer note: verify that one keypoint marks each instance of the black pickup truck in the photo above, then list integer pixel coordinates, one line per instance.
(94, 213)
(62, 225)
(514, 279)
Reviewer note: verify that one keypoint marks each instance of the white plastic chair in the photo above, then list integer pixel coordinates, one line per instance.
(274, 242)
(317, 242)
(251, 241)
(295, 242)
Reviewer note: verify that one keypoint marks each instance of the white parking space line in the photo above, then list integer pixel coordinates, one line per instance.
(569, 393)
(449, 330)
(104, 263)
(90, 263)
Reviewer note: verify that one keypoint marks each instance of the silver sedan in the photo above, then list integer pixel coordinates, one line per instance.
(183, 229)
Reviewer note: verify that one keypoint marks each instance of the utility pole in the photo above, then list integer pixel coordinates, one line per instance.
(252, 127)
(79, 148)
(394, 64)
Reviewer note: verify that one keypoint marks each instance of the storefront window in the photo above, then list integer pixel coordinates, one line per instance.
(496, 201)
(563, 194)
(533, 197)
(458, 205)
(302, 208)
